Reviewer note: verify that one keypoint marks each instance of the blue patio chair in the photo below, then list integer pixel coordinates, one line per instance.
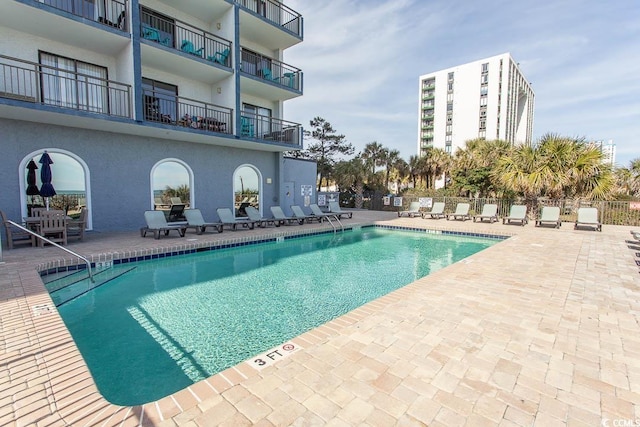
(246, 126)
(187, 47)
(267, 75)
(153, 34)
(220, 57)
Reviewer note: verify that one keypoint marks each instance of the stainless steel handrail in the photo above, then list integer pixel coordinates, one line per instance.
(56, 245)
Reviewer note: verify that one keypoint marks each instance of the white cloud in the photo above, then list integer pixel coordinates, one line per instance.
(362, 60)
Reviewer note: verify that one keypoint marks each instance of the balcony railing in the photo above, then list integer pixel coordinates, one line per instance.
(184, 112)
(185, 38)
(275, 12)
(270, 129)
(271, 70)
(108, 12)
(43, 84)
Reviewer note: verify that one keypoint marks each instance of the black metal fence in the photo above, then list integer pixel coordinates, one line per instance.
(610, 212)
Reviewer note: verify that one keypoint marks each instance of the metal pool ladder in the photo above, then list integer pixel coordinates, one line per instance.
(337, 218)
(37, 236)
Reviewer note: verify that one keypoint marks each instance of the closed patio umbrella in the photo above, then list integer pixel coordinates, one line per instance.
(47, 189)
(32, 188)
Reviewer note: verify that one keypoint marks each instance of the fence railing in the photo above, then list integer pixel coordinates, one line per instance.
(44, 84)
(186, 112)
(275, 12)
(610, 212)
(270, 129)
(185, 38)
(108, 12)
(271, 70)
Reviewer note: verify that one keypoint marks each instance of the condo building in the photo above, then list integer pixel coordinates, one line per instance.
(142, 102)
(489, 99)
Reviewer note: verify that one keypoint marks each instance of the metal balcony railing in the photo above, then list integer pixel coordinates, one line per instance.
(271, 70)
(43, 84)
(184, 38)
(276, 13)
(184, 112)
(112, 13)
(270, 129)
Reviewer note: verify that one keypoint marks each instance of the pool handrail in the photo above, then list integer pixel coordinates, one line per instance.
(37, 236)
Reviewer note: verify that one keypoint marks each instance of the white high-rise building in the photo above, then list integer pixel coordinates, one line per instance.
(489, 98)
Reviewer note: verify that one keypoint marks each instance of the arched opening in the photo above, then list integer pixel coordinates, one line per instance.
(171, 187)
(70, 179)
(247, 187)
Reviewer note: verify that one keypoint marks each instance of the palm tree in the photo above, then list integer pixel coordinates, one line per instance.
(352, 174)
(373, 155)
(390, 159)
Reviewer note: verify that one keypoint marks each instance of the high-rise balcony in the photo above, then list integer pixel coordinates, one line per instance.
(269, 78)
(270, 129)
(112, 13)
(62, 88)
(270, 23)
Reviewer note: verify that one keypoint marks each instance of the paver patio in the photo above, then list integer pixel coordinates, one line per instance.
(540, 329)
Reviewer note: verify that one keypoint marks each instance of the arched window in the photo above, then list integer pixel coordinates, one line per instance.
(70, 179)
(247, 188)
(171, 183)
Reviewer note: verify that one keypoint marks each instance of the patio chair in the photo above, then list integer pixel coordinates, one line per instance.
(188, 47)
(227, 218)
(517, 213)
(268, 75)
(317, 212)
(437, 211)
(299, 213)
(246, 124)
(588, 217)
(414, 210)
(53, 226)
(197, 222)
(462, 212)
(176, 213)
(549, 215)
(281, 218)
(220, 57)
(334, 208)
(16, 236)
(76, 227)
(157, 223)
(489, 211)
(254, 215)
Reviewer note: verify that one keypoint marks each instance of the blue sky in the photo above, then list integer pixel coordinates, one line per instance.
(362, 60)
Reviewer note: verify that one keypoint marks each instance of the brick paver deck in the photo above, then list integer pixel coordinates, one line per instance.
(540, 329)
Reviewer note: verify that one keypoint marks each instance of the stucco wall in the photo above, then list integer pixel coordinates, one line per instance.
(120, 167)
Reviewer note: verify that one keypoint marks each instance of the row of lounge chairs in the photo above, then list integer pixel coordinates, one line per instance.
(550, 215)
(158, 225)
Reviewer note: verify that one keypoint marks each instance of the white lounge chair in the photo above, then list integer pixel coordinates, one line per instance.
(299, 213)
(335, 208)
(517, 213)
(227, 218)
(281, 218)
(317, 212)
(549, 215)
(414, 210)
(157, 223)
(196, 221)
(254, 215)
(462, 212)
(588, 217)
(437, 211)
(489, 211)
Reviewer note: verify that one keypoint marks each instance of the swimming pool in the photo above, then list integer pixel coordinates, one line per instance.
(160, 326)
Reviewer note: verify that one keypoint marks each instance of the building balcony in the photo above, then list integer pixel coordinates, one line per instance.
(186, 113)
(269, 23)
(428, 96)
(103, 27)
(268, 78)
(161, 38)
(271, 130)
(38, 84)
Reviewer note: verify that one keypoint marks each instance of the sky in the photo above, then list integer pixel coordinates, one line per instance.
(362, 60)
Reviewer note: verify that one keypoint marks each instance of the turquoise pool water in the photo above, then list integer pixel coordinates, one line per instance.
(163, 325)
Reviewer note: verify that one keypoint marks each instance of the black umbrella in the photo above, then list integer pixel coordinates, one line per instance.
(32, 188)
(47, 189)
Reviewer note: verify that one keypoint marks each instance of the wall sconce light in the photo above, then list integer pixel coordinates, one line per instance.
(218, 25)
(268, 180)
(219, 90)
